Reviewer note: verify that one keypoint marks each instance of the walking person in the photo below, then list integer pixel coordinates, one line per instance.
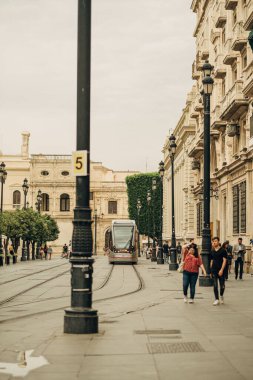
(166, 250)
(230, 255)
(217, 266)
(192, 263)
(239, 253)
(45, 251)
(50, 251)
(179, 251)
(225, 246)
(41, 252)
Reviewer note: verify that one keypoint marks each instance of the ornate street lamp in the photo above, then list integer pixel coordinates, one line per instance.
(154, 187)
(149, 203)
(250, 39)
(95, 231)
(138, 206)
(25, 188)
(173, 265)
(38, 208)
(80, 318)
(3, 176)
(206, 233)
(160, 259)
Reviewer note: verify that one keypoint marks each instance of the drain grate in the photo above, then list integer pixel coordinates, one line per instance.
(174, 348)
(157, 332)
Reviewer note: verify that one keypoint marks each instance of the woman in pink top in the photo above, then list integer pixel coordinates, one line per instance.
(192, 262)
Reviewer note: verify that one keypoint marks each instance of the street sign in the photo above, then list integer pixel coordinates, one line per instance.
(79, 163)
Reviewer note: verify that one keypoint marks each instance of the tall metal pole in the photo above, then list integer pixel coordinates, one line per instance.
(160, 259)
(95, 232)
(173, 263)
(24, 250)
(80, 318)
(153, 257)
(1, 243)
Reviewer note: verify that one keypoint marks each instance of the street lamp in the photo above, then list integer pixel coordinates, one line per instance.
(149, 202)
(250, 39)
(95, 228)
(154, 187)
(80, 318)
(173, 265)
(25, 188)
(138, 206)
(38, 207)
(160, 259)
(206, 232)
(3, 176)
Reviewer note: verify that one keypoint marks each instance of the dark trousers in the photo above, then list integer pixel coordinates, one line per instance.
(189, 279)
(238, 263)
(217, 279)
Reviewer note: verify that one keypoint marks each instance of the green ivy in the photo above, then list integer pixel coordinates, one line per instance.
(137, 187)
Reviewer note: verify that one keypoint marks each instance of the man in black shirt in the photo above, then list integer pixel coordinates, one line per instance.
(217, 265)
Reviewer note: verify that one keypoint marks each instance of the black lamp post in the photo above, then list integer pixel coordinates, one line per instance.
(149, 202)
(25, 188)
(173, 250)
(80, 318)
(138, 206)
(206, 232)
(250, 39)
(154, 186)
(3, 176)
(38, 208)
(160, 259)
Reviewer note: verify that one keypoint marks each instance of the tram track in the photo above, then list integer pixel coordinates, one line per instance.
(139, 288)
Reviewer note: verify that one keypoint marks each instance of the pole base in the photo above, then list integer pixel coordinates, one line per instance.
(205, 281)
(23, 258)
(160, 260)
(153, 258)
(80, 321)
(173, 266)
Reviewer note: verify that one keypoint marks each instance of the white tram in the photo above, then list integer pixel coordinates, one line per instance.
(123, 242)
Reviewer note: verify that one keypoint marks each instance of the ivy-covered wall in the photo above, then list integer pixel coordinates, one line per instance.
(137, 187)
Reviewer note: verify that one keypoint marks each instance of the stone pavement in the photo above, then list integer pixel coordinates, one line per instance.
(150, 334)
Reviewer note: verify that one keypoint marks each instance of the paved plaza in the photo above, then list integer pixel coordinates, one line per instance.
(146, 331)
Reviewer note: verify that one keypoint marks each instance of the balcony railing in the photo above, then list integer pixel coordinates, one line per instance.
(195, 72)
(248, 80)
(216, 122)
(230, 55)
(234, 103)
(240, 37)
(248, 25)
(220, 69)
(221, 15)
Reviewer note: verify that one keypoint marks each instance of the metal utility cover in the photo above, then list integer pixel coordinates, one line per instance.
(174, 348)
(157, 331)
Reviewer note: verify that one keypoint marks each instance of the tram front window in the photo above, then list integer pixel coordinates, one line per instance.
(123, 237)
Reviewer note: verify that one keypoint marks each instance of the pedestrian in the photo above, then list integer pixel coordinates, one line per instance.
(194, 246)
(41, 252)
(11, 253)
(65, 251)
(230, 255)
(50, 251)
(166, 249)
(239, 251)
(179, 251)
(192, 263)
(45, 251)
(225, 246)
(217, 266)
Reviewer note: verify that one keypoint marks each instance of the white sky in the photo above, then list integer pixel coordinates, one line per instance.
(142, 52)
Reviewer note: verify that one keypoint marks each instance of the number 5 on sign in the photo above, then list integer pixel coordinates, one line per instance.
(79, 163)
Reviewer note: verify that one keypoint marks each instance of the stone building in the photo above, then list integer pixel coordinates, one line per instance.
(52, 175)
(221, 33)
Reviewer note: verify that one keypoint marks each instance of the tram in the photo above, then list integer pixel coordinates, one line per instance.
(123, 242)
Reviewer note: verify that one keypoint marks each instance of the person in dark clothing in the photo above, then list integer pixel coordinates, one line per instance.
(194, 246)
(239, 253)
(225, 246)
(217, 266)
(166, 249)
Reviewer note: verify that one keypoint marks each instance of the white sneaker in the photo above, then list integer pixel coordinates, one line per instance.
(221, 300)
(216, 302)
(185, 299)
(191, 300)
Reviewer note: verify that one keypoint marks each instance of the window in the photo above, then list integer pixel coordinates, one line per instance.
(234, 73)
(16, 199)
(244, 59)
(64, 202)
(44, 173)
(251, 127)
(239, 208)
(223, 36)
(91, 195)
(112, 207)
(45, 202)
(199, 218)
(234, 16)
(223, 87)
(65, 173)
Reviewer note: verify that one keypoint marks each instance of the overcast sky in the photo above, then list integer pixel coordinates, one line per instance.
(142, 52)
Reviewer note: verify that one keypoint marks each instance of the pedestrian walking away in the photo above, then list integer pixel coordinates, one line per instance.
(41, 252)
(192, 263)
(179, 251)
(239, 253)
(50, 251)
(217, 266)
(45, 251)
(226, 270)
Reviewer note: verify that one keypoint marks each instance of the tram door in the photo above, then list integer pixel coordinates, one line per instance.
(107, 238)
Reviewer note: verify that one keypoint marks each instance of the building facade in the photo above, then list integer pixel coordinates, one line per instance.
(52, 175)
(221, 33)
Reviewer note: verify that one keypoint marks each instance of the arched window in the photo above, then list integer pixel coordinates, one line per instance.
(16, 199)
(45, 202)
(64, 202)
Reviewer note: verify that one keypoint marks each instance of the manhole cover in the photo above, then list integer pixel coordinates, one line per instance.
(157, 332)
(174, 348)
(108, 321)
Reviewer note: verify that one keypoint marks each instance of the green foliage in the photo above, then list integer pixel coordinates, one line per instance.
(137, 187)
(28, 225)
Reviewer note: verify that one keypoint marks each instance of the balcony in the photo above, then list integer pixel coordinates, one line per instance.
(220, 69)
(221, 15)
(216, 123)
(248, 81)
(196, 150)
(231, 4)
(215, 33)
(195, 72)
(234, 103)
(230, 55)
(240, 37)
(248, 25)
(204, 49)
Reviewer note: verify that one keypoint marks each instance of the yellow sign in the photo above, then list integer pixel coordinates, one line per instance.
(79, 163)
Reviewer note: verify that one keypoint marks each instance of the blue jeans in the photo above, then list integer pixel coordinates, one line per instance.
(189, 278)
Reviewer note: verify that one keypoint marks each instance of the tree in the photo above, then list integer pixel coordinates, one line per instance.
(137, 187)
